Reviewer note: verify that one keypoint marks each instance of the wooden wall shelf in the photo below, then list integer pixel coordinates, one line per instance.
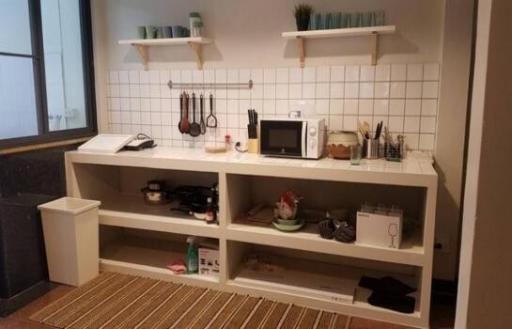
(142, 46)
(372, 32)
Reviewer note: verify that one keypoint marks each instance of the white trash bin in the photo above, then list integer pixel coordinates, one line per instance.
(70, 228)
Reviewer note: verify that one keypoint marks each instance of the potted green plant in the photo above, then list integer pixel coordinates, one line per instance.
(302, 16)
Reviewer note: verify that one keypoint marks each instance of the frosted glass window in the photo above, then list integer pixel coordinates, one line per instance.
(62, 43)
(18, 110)
(45, 70)
(15, 27)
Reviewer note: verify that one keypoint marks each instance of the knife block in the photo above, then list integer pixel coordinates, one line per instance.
(253, 145)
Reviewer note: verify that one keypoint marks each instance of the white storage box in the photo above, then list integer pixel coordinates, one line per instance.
(70, 228)
(209, 262)
(379, 229)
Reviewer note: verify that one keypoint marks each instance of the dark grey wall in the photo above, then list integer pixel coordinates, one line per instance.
(38, 172)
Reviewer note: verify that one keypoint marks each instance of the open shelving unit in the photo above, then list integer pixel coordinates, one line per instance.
(132, 212)
(129, 227)
(371, 32)
(411, 251)
(142, 46)
(146, 255)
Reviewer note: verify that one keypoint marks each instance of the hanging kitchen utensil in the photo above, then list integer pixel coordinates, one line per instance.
(211, 120)
(184, 123)
(201, 121)
(195, 128)
(180, 124)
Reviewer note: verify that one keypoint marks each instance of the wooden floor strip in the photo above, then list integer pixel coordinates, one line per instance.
(275, 317)
(308, 319)
(147, 305)
(115, 305)
(188, 304)
(195, 311)
(88, 288)
(325, 320)
(210, 314)
(259, 315)
(227, 312)
(241, 315)
(73, 311)
(154, 318)
(292, 318)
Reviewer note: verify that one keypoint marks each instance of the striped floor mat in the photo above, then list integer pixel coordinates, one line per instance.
(122, 301)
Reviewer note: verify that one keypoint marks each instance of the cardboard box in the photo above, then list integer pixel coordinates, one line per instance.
(379, 230)
(209, 262)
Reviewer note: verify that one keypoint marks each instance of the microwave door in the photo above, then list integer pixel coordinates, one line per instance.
(282, 138)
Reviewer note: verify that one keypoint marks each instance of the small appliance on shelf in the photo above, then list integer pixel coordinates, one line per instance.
(155, 193)
(292, 137)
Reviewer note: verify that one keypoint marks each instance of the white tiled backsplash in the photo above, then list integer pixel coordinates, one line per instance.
(405, 97)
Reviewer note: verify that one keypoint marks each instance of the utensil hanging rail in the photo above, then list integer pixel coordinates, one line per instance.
(191, 85)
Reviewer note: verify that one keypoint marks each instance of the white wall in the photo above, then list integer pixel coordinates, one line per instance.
(486, 266)
(247, 33)
(451, 130)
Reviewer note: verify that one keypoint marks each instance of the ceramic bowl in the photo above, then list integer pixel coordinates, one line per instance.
(287, 221)
(288, 228)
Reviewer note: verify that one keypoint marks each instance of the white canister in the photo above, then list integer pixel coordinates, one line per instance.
(196, 24)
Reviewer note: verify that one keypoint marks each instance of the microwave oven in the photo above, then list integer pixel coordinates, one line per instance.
(295, 138)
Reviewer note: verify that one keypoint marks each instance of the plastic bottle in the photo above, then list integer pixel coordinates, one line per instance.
(192, 256)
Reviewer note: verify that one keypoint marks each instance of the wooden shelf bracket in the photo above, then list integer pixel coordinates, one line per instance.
(144, 54)
(302, 51)
(374, 48)
(198, 51)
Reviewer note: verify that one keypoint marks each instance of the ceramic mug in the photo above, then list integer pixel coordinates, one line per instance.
(167, 32)
(319, 22)
(366, 19)
(177, 31)
(380, 18)
(357, 20)
(159, 32)
(329, 23)
(347, 20)
(338, 20)
(150, 32)
(141, 32)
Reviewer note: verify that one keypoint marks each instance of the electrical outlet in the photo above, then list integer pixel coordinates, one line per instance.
(442, 244)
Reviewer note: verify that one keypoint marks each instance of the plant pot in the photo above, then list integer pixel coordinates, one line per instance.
(302, 22)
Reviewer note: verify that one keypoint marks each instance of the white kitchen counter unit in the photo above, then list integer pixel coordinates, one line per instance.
(245, 180)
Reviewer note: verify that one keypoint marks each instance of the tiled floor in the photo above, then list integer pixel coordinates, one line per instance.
(442, 315)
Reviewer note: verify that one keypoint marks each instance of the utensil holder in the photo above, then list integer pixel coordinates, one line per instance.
(371, 148)
(253, 146)
(394, 151)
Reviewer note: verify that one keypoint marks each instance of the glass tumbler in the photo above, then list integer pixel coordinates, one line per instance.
(355, 154)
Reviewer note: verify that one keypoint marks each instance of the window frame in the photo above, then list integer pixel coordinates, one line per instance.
(44, 134)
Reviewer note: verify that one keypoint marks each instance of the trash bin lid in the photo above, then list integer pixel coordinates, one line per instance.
(73, 206)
